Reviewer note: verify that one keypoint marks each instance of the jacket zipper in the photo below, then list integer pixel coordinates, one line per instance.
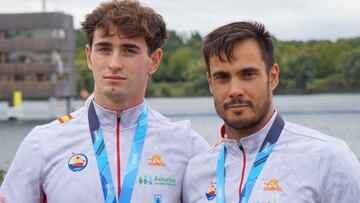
(243, 169)
(118, 152)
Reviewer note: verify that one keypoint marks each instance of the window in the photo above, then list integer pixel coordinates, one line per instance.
(18, 34)
(20, 57)
(19, 77)
(58, 33)
(40, 77)
(63, 77)
(30, 77)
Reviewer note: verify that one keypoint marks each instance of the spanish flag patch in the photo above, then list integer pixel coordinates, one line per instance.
(65, 118)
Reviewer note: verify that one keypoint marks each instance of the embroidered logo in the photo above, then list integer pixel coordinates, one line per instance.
(65, 118)
(156, 160)
(146, 180)
(272, 185)
(211, 191)
(157, 198)
(77, 162)
(157, 180)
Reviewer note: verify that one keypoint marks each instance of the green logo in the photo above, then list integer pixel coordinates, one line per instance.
(158, 180)
(164, 181)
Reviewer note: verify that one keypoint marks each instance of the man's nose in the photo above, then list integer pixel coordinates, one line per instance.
(116, 61)
(236, 88)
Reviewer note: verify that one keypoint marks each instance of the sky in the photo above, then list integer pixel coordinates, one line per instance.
(285, 19)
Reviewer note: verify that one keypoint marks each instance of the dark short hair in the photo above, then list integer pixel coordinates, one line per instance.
(221, 42)
(128, 17)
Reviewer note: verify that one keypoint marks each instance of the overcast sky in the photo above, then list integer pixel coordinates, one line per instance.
(285, 19)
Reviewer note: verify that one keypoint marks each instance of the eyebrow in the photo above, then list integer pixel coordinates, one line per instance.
(123, 46)
(130, 46)
(103, 44)
(219, 73)
(249, 69)
(244, 70)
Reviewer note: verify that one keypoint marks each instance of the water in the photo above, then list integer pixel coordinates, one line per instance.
(337, 115)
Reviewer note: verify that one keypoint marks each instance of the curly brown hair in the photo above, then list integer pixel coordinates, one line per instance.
(130, 18)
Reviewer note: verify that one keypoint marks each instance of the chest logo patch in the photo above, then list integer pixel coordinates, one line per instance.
(211, 191)
(156, 160)
(77, 162)
(272, 185)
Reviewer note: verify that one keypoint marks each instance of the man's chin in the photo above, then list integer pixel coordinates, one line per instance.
(240, 120)
(115, 94)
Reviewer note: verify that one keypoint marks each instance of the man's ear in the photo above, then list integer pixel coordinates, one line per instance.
(274, 77)
(155, 57)
(209, 82)
(88, 56)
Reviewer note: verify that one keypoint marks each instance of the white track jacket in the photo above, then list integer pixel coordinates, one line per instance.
(43, 167)
(305, 166)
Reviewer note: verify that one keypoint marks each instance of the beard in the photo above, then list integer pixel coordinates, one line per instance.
(259, 111)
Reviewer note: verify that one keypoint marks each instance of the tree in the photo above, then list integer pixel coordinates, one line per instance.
(302, 70)
(349, 68)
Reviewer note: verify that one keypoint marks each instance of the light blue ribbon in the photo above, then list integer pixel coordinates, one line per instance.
(103, 162)
(262, 156)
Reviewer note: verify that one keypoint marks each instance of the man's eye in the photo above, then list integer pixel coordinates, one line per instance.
(249, 75)
(221, 77)
(129, 51)
(104, 49)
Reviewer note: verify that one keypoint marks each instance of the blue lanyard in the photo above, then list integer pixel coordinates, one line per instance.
(103, 162)
(263, 154)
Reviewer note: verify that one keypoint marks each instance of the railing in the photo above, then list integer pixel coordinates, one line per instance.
(7, 68)
(31, 90)
(32, 44)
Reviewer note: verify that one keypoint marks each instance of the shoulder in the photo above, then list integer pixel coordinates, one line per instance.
(61, 123)
(156, 119)
(330, 149)
(207, 157)
(179, 132)
(305, 133)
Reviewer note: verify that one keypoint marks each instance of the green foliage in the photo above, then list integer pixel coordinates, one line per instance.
(302, 68)
(164, 89)
(305, 67)
(2, 175)
(84, 75)
(349, 67)
(80, 39)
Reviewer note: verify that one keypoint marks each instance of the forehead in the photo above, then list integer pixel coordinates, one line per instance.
(116, 36)
(246, 53)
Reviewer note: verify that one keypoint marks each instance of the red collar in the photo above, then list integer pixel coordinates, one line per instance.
(222, 131)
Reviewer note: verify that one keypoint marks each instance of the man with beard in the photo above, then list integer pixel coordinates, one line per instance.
(262, 158)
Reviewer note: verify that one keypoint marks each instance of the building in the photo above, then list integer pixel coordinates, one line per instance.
(37, 55)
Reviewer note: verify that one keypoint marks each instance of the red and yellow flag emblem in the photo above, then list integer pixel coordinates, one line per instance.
(65, 118)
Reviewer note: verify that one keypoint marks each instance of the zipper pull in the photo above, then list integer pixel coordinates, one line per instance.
(118, 114)
(241, 147)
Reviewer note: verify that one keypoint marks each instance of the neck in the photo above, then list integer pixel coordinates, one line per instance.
(237, 134)
(118, 105)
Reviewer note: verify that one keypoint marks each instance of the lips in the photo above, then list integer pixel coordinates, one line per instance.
(237, 104)
(115, 77)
